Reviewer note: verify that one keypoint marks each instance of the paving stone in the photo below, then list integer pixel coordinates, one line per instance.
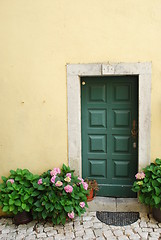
(97, 225)
(129, 232)
(118, 233)
(147, 229)
(59, 236)
(143, 235)
(78, 228)
(87, 218)
(108, 233)
(41, 235)
(152, 238)
(48, 229)
(51, 233)
(123, 237)
(69, 235)
(100, 238)
(134, 237)
(31, 237)
(89, 232)
(98, 232)
(154, 234)
(88, 224)
(4, 237)
(5, 230)
(152, 225)
(79, 233)
(158, 230)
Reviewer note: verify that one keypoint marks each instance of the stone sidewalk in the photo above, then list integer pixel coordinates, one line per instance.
(87, 227)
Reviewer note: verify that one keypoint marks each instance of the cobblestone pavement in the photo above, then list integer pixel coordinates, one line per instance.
(87, 227)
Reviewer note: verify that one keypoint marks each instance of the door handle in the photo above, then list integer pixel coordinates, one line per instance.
(134, 131)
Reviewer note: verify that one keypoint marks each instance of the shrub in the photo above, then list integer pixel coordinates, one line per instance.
(16, 191)
(59, 195)
(148, 184)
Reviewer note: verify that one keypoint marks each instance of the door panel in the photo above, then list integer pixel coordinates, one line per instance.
(109, 106)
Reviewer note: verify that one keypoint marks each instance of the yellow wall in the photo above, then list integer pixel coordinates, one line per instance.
(37, 39)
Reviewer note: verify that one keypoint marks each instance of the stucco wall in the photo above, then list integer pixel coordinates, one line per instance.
(37, 39)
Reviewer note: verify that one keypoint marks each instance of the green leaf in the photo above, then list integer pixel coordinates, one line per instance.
(44, 214)
(11, 202)
(37, 204)
(47, 205)
(27, 209)
(39, 209)
(156, 199)
(35, 193)
(5, 209)
(18, 178)
(68, 208)
(26, 197)
(18, 202)
(157, 190)
(30, 200)
(4, 178)
(155, 183)
(63, 221)
(23, 206)
(11, 208)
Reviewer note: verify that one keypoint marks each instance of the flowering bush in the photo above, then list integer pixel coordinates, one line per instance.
(59, 195)
(148, 184)
(16, 191)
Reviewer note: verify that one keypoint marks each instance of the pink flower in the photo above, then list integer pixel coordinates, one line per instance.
(58, 184)
(39, 181)
(67, 179)
(140, 175)
(55, 171)
(85, 185)
(81, 179)
(53, 179)
(68, 188)
(82, 204)
(71, 215)
(68, 175)
(11, 180)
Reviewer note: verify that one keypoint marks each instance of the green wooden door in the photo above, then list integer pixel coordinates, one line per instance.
(109, 117)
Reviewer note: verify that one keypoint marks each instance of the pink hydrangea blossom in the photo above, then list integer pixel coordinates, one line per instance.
(85, 185)
(81, 179)
(11, 180)
(82, 204)
(71, 215)
(40, 181)
(140, 175)
(68, 188)
(58, 184)
(53, 179)
(67, 179)
(68, 175)
(55, 171)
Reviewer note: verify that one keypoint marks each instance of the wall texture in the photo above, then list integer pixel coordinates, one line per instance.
(37, 39)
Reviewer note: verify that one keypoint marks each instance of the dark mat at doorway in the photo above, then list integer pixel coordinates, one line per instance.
(118, 218)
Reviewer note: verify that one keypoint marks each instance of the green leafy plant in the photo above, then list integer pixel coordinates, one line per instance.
(60, 195)
(16, 191)
(92, 184)
(148, 184)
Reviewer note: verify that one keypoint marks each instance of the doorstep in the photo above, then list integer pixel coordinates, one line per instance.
(116, 205)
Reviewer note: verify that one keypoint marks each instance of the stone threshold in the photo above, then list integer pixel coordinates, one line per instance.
(116, 205)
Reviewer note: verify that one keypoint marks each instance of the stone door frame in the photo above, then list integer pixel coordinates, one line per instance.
(74, 73)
